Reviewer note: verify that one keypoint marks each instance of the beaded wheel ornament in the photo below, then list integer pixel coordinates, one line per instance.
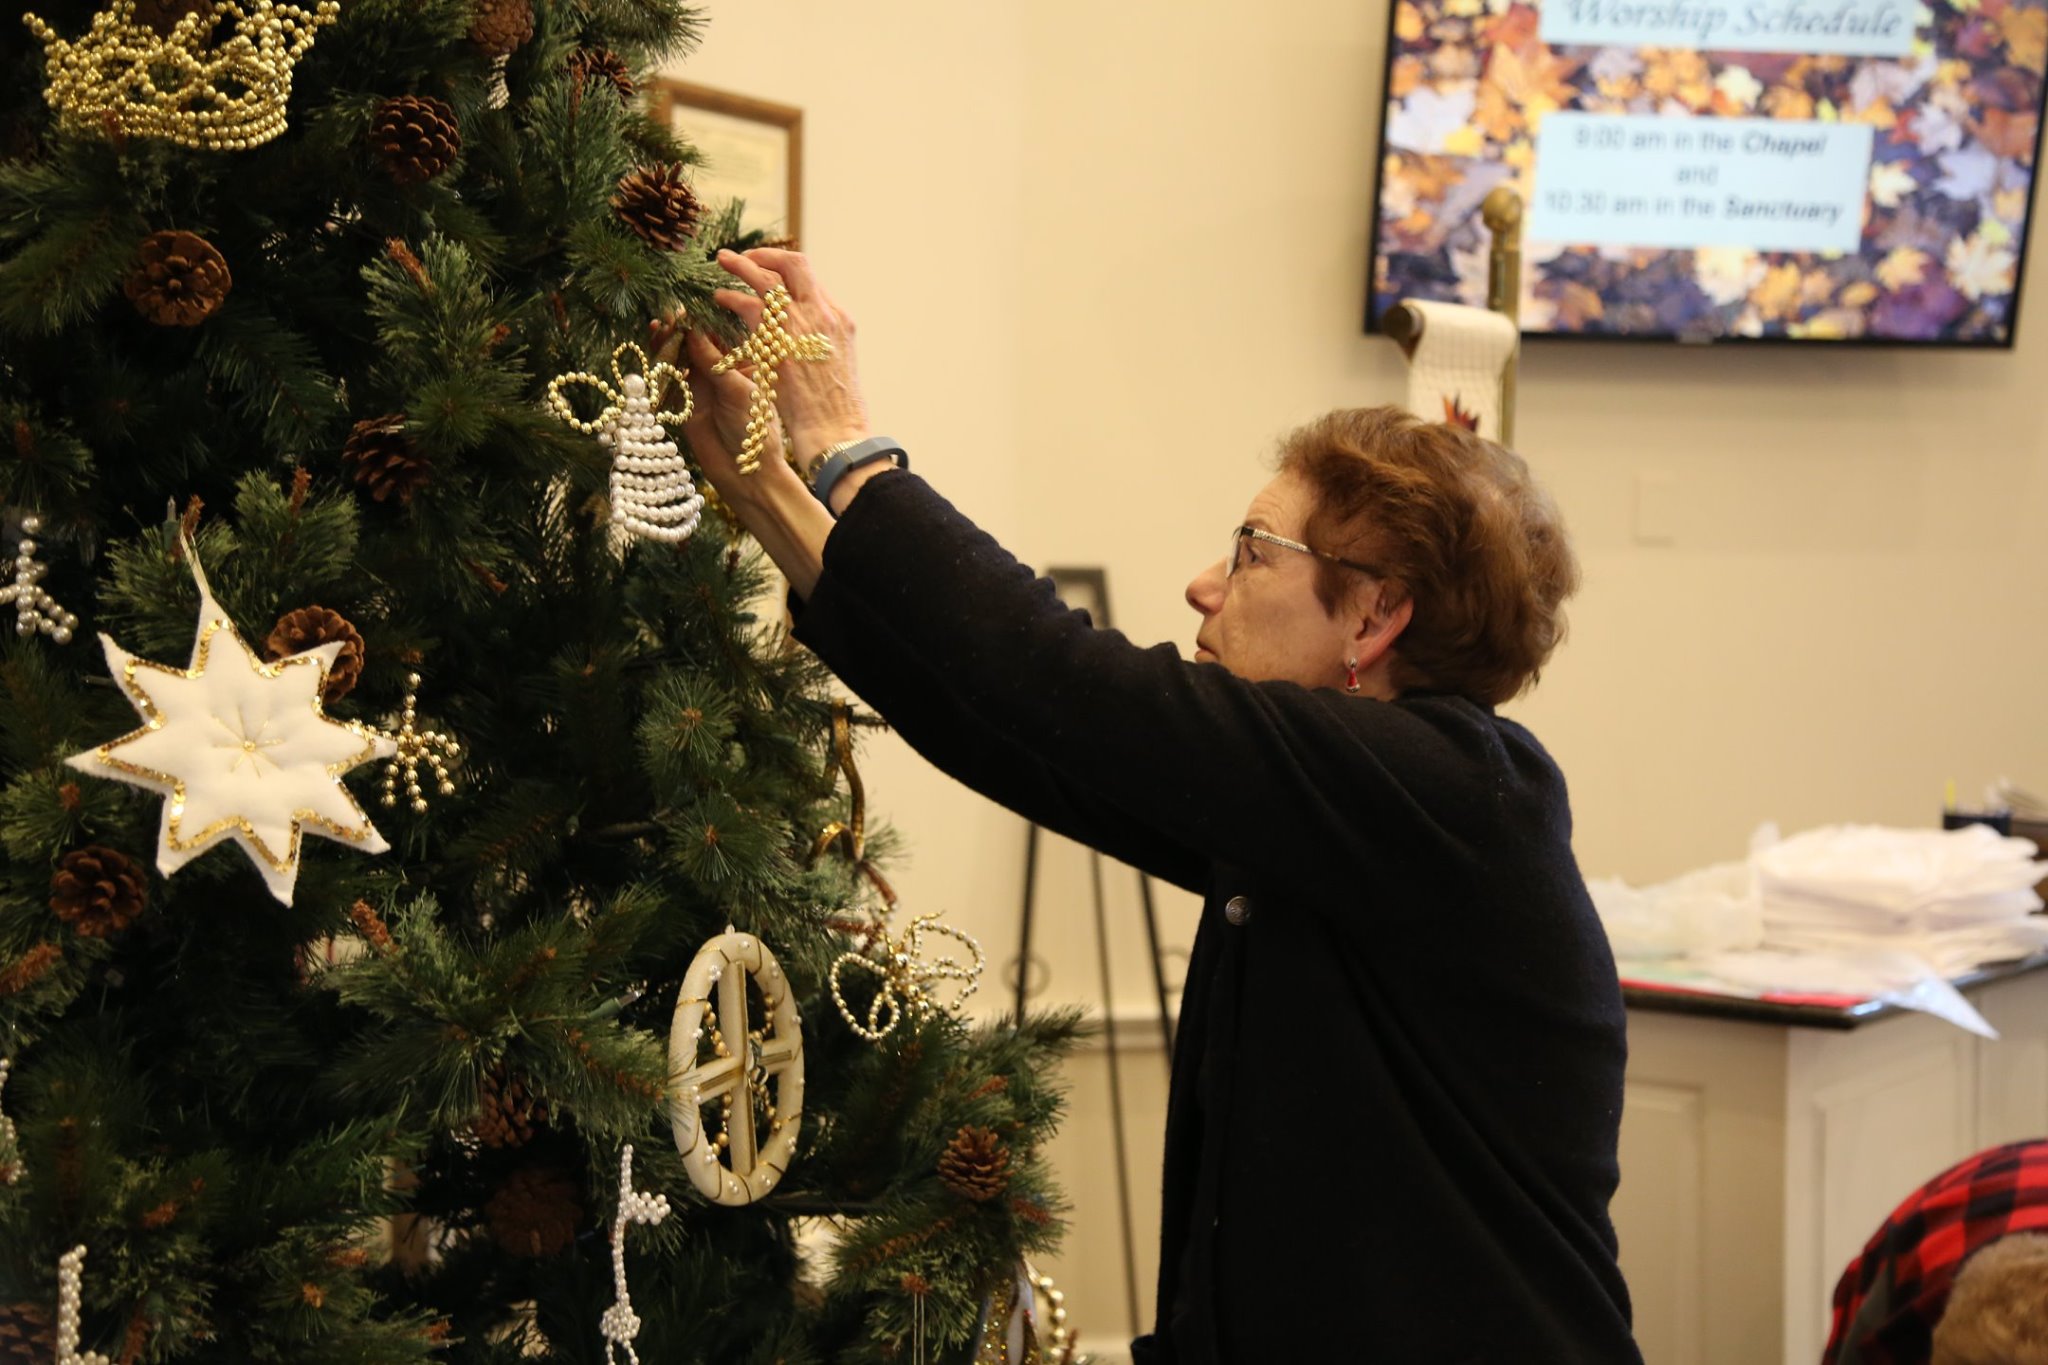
(751, 1072)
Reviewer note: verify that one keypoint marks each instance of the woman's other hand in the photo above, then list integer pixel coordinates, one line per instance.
(718, 426)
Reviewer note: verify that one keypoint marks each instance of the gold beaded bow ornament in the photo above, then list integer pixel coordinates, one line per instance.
(905, 977)
(657, 376)
(765, 349)
(124, 79)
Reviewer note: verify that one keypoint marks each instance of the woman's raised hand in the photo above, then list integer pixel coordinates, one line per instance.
(819, 400)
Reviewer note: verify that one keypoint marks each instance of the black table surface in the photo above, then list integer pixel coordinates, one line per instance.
(1658, 1001)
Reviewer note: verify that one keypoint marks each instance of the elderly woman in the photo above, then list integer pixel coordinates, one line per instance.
(1391, 1134)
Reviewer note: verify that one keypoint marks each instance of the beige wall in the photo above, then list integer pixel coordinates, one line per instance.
(1102, 254)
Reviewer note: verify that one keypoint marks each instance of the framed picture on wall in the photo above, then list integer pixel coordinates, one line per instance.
(753, 151)
(1084, 589)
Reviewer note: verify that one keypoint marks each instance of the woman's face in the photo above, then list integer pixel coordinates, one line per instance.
(1264, 622)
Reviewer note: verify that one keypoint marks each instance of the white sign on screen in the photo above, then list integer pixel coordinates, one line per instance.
(1649, 181)
(1873, 28)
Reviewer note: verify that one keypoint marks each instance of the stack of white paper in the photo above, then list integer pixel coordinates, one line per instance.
(1955, 898)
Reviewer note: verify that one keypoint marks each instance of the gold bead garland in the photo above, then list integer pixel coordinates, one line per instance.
(172, 87)
(416, 746)
(765, 349)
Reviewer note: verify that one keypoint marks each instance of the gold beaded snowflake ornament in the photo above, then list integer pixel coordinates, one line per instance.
(123, 78)
(750, 1071)
(653, 496)
(765, 349)
(239, 749)
(416, 745)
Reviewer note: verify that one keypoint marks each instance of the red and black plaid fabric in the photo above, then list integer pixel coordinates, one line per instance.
(1891, 1296)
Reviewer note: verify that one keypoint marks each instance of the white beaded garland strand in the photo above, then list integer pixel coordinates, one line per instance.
(34, 609)
(620, 1325)
(70, 1278)
(10, 1168)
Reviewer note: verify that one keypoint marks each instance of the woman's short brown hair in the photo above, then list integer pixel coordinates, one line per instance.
(1997, 1311)
(1458, 526)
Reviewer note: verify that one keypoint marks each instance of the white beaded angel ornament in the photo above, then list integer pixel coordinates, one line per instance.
(34, 609)
(653, 496)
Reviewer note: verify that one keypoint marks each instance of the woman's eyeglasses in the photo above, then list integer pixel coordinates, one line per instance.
(1240, 556)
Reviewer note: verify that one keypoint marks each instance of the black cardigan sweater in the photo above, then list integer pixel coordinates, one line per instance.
(1397, 1087)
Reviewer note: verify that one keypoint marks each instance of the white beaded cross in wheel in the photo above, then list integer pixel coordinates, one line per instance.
(653, 496)
(747, 1061)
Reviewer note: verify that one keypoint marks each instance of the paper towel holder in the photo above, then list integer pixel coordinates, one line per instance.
(1502, 213)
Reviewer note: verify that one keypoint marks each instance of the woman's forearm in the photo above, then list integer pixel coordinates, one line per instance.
(791, 523)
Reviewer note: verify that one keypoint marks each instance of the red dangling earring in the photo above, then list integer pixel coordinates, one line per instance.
(1351, 675)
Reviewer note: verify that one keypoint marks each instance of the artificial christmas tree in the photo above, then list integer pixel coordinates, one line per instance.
(275, 356)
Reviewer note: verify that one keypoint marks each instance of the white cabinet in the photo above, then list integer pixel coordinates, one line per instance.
(1758, 1157)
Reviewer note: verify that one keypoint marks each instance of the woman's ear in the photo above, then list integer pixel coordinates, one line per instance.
(1381, 623)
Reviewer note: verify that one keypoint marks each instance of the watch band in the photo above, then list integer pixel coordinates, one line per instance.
(840, 460)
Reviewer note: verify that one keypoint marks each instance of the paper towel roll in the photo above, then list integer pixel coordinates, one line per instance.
(1455, 373)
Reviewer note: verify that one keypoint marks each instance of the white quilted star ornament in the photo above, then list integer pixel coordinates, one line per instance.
(240, 749)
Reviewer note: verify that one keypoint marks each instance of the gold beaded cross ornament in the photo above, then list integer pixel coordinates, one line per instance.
(765, 349)
(123, 78)
(751, 1073)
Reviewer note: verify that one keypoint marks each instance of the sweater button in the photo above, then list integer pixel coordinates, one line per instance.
(1237, 910)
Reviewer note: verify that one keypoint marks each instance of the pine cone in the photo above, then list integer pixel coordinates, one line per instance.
(311, 627)
(658, 204)
(28, 1334)
(500, 27)
(97, 891)
(975, 1164)
(180, 281)
(509, 1114)
(382, 458)
(535, 1212)
(588, 64)
(416, 137)
(163, 15)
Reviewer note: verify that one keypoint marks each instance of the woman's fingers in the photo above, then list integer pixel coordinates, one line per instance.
(791, 266)
(751, 273)
(747, 307)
